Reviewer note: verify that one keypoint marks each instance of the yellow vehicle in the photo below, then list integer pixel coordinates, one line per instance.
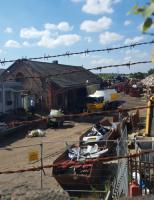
(95, 104)
(99, 100)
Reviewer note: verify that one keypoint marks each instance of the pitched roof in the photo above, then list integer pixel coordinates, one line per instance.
(62, 75)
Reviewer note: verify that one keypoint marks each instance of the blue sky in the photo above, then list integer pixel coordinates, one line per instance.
(32, 28)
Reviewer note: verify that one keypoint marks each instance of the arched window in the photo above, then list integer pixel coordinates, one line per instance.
(19, 77)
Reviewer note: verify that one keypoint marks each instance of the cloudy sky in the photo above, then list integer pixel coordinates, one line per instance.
(33, 28)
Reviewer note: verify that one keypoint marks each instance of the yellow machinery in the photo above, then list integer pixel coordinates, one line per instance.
(99, 100)
(149, 131)
(95, 104)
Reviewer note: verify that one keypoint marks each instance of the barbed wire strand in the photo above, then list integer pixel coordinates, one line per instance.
(85, 52)
(119, 110)
(128, 64)
(75, 163)
(74, 141)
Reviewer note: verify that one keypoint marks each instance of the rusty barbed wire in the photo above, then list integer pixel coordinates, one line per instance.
(128, 64)
(45, 118)
(85, 52)
(75, 163)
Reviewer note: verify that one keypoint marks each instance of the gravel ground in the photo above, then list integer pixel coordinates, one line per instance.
(35, 194)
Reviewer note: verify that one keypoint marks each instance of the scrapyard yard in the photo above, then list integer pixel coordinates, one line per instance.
(16, 148)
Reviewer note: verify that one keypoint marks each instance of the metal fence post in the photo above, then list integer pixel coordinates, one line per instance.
(41, 146)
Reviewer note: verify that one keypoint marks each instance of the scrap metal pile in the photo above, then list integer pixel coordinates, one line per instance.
(149, 80)
(89, 151)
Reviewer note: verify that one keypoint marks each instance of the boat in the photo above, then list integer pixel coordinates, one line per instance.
(78, 167)
(77, 175)
(103, 133)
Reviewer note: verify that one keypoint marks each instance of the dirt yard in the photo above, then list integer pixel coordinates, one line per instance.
(17, 158)
(14, 151)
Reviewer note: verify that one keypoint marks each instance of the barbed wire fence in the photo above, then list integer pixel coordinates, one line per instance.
(47, 77)
(34, 161)
(85, 52)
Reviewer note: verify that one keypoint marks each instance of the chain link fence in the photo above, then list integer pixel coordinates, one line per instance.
(120, 183)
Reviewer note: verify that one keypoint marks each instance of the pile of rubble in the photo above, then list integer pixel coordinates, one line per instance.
(149, 80)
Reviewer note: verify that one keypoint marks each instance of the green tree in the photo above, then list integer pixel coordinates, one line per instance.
(147, 11)
(138, 75)
(107, 76)
(151, 71)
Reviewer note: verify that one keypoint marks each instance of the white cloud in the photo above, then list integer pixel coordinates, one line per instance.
(12, 44)
(64, 26)
(31, 32)
(99, 61)
(124, 56)
(1, 51)
(102, 61)
(99, 6)
(88, 39)
(127, 22)
(50, 36)
(134, 40)
(96, 26)
(8, 30)
(26, 44)
(131, 54)
(66, 40)
(110, 37)
(129, 51)
(50, 26)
